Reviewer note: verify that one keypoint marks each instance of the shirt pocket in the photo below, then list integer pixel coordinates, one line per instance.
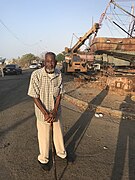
(56, 91)
(55, 83)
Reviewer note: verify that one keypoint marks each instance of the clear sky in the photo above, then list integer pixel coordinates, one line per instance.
(36, 26)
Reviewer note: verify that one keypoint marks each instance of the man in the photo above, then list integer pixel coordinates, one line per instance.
(46, 88)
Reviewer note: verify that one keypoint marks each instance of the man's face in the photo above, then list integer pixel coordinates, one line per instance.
(50, 64)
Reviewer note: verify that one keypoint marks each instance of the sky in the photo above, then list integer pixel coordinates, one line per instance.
(37, 26)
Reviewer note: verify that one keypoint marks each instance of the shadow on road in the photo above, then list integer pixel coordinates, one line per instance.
(13, 90)
(125, 150)
(75, 134)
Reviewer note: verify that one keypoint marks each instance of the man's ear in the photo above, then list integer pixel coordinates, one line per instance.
(44, 63)
(55, 63)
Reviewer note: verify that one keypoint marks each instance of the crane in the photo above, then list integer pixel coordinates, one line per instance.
(73, 59)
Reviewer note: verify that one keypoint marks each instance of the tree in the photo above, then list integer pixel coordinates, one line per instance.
(60, 57)
(27, 59)
(14, 61)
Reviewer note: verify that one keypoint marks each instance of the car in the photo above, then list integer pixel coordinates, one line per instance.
(12, 69)
(34, 66)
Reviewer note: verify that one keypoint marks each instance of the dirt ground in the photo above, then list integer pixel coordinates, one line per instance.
(87, 91)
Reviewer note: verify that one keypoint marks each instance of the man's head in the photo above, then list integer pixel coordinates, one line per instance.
(50, 62)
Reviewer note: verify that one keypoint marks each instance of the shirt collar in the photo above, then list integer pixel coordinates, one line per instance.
(56, 72)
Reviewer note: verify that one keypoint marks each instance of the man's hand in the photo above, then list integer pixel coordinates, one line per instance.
(54, 113)
(46, 114)
(49, 118)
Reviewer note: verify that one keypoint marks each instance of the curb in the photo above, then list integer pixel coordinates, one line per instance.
(105, 110)
(81, 104)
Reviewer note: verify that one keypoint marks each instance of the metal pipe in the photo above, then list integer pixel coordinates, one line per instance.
(122, 29)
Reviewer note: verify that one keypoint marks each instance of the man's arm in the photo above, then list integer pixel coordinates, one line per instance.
(42, 109)
(56, 106)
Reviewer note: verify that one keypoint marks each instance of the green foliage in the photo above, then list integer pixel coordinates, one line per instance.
(60, 57)
(27, 59)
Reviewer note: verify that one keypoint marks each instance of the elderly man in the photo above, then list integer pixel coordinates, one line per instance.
(46, 88)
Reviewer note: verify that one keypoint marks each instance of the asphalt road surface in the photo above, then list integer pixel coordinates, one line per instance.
(103, 148)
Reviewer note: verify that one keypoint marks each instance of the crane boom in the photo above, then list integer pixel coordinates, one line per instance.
(81, 40)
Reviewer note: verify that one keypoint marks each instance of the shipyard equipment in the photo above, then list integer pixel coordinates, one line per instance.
(75, 61)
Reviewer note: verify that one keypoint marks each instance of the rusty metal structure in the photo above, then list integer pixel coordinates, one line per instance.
(108, 50)
(117, 50)
(113, 44)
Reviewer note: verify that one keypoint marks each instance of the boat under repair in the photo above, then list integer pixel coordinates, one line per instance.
(111, 56)
(118, 54)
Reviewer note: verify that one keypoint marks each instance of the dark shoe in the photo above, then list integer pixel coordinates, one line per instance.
(44, 166)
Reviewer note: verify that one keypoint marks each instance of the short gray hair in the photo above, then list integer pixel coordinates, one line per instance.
(51, 54)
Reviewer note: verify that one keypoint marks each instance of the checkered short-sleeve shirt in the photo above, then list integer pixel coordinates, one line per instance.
(46, 88)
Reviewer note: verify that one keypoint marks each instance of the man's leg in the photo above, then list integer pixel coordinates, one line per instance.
(43, 140)
(58, 140)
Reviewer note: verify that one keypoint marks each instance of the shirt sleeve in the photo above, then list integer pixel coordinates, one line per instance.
(62, 91)
(34, 89)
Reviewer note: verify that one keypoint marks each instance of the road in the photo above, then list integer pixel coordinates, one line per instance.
(103, 148)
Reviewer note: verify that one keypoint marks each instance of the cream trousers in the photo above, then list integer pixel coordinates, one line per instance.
(44, 140)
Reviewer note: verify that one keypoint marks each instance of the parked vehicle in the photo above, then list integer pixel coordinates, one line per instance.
(12, 69)
(34, 66)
